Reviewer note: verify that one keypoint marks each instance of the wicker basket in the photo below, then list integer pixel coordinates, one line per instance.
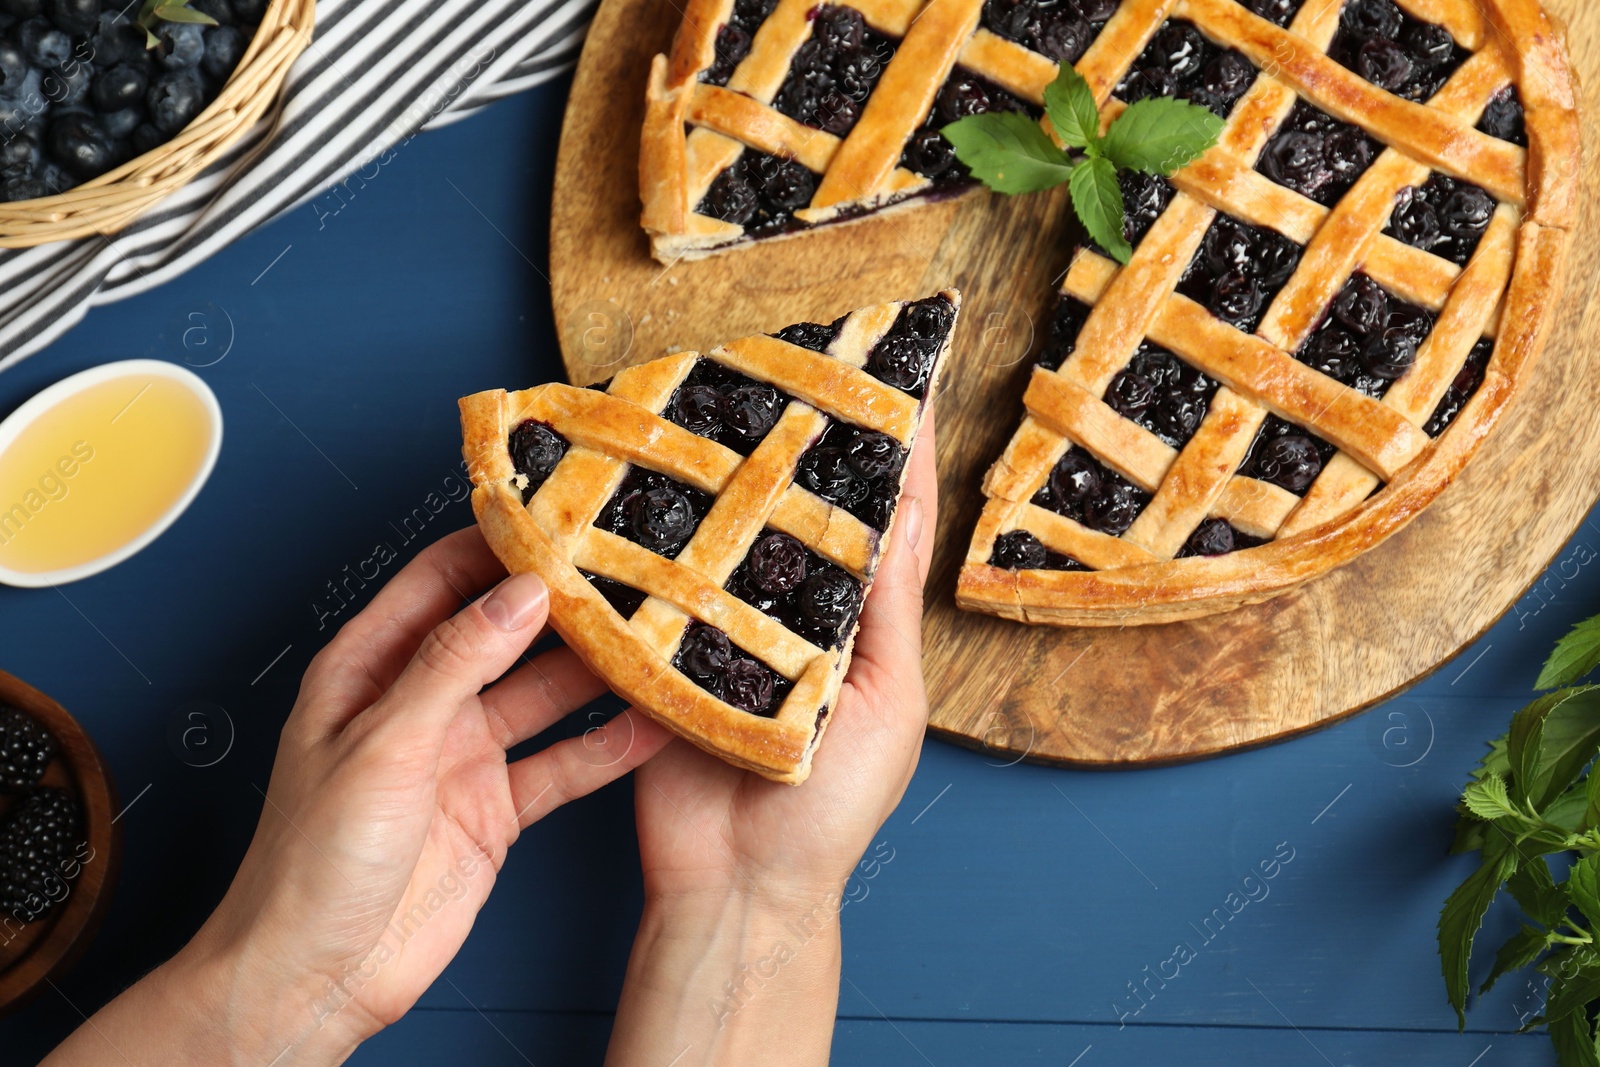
(108, 203)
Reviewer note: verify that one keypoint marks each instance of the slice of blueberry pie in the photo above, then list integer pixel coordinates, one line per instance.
(709, 524)
(1323, 316)
(773, 116)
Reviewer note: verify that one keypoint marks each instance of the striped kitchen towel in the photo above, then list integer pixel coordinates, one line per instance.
(376, 72)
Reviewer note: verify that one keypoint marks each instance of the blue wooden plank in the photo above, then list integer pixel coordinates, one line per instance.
(1019, 894)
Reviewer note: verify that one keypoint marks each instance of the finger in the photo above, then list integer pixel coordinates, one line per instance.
(578, 766)
(534, 696)
(463, 654)
(889, 645)
(371, 650)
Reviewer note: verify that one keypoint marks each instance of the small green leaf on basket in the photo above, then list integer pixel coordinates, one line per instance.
(154, 12)
(1069, 104)
(1576, 655)
(1160, 135)
(1097, 198)
(1008, 152)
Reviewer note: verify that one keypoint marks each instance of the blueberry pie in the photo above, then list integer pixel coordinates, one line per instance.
(709, 525)
(1323, 317)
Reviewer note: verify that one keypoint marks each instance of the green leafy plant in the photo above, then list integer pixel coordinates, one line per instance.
(1011, 153)
(1535, 794)
(154, 12)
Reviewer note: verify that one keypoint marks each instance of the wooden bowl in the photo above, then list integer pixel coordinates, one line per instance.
(31, 954)
(106, 204)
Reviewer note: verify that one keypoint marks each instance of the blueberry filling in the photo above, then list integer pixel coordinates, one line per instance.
(855, 469)
(728, 407)
(1217, 537)
(1086, 491)
(1368, 339)
(813, 335)
(904, 356)
(834, 71)
(1060, 29)
(1394, 51)
(1443, 216)
(760, 193)
(964, 93)
(1316, 155)
(1466, 383)
(1019, 550)
(728, 672)
(654, 511)
(1162, 393)
(535, 450)
(1144, 198)
(1504, 118)
(1281, 12)
(1181, 61)
(1286, 456)
(1070, 315)
(1238, 270)
(807, 594)
(734, 36)
(80, 93)
(624, 598)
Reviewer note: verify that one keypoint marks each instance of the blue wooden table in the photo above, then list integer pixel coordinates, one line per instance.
(1026, 915)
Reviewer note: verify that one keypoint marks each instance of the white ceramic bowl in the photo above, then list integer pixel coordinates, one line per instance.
(37, 405)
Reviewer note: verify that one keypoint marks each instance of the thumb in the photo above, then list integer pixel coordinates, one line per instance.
(466, 652)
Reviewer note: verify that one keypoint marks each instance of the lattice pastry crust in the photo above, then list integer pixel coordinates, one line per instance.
(631, 588)
(1386, 466)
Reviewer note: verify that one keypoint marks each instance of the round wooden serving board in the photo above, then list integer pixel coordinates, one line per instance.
(1098, 697)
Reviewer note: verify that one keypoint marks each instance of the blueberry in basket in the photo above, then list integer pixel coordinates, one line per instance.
(87, 85)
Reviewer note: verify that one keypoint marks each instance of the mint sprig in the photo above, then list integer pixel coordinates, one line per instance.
(1011, 153)
(1536, 793)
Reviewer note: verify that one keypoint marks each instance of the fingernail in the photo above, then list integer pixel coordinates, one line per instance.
(515, 602)
(913, 517)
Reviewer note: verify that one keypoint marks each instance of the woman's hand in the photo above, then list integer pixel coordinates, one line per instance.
(737, 959)
(388, 816)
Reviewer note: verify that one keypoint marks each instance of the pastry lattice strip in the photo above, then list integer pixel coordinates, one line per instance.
(1200, 481)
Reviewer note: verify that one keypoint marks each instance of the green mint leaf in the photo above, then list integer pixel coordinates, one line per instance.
(1568, 809)
(1583, 887)
(1591, 792)
(1575, 982)
(1008, 152)
(1459, 922)
(1537, 893)
(1069, 103)
(1160, 135)
(1576, 655)
(1495, 761)
(1551, 741)
(1097, 198)
(1488, 799)
(1573, 1040)
(1518, 952)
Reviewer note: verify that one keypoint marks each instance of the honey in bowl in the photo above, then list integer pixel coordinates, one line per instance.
(96, 466)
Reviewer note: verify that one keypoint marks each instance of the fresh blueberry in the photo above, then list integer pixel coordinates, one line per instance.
(146, 138)
(14, 68)
(183, 45)
(123, 86)
(79, 18)
(224, 47)
(80, 144)
(121, 124)
(174, 100)
(117, 39)
(43, 44)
